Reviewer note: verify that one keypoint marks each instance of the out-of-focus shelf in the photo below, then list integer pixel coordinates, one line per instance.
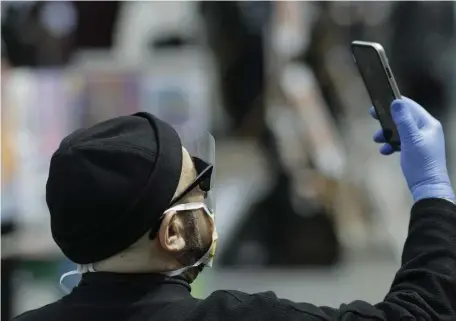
(31, 243)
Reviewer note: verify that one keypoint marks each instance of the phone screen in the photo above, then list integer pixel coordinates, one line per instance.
(378, 86)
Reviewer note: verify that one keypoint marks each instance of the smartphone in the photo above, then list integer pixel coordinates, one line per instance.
(370, 57)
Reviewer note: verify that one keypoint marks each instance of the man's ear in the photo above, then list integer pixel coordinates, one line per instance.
(171, 233)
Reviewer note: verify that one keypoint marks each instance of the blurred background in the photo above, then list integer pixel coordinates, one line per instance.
(306, 206)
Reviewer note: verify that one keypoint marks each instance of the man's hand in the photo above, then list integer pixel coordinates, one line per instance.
(423, 158)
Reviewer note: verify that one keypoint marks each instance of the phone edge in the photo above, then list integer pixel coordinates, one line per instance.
(385, 64)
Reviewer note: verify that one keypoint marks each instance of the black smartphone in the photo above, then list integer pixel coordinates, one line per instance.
(370, 57)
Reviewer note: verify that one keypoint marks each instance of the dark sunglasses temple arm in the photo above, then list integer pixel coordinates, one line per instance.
(199, 180)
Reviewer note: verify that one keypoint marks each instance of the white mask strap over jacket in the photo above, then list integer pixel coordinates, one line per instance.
(81, 269)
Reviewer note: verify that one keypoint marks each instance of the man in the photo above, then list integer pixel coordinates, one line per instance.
(109, 186)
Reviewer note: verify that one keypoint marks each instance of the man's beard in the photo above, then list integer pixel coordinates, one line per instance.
(192, 254)
(189, 258)
(195, 249)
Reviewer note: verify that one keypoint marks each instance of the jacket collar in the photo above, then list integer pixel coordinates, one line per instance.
(109, 288)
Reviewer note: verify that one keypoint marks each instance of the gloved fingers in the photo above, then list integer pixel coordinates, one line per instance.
(421, 115)
(379, 137)
(386, 149)
(373, 113)
(403, 118)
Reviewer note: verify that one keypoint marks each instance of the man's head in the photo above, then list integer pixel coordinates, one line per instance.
(108, 188)
(186, 235)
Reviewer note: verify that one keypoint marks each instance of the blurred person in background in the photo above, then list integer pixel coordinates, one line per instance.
(38, 33)
(47, 33)
(127, 204)
(237, 34)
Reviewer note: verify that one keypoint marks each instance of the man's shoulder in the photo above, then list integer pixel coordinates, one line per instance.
(261, 305)
(242, 296)
(46, 312)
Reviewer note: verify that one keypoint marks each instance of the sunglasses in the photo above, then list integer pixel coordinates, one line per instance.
(203, 179)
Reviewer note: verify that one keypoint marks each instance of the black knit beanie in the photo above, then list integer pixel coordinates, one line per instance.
(109, 184)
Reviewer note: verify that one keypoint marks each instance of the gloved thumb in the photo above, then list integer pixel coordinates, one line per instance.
(403, 119)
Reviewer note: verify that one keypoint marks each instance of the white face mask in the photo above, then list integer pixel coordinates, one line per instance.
(207, 259)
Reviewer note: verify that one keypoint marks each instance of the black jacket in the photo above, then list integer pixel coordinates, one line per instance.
(424, 289)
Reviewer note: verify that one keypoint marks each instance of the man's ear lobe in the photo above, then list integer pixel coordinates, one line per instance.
(171, 233)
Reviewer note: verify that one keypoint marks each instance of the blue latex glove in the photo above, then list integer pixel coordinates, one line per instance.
(423, 159)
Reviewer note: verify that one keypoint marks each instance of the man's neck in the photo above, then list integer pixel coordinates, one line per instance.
(136, 262)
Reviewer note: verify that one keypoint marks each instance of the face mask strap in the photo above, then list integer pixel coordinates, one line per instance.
(85, 268)
(81, 269)
(189, 207)
(207, 258)
(63, 277)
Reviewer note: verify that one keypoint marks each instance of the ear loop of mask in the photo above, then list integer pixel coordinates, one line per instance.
(81, 269)
(208, 257)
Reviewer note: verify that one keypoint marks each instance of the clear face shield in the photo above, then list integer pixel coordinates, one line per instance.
(201, 147)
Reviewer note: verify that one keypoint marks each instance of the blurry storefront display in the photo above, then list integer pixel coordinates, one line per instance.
(8, 205)
(109, 94)
(9, 132)
(181, 92)
(47, 112)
